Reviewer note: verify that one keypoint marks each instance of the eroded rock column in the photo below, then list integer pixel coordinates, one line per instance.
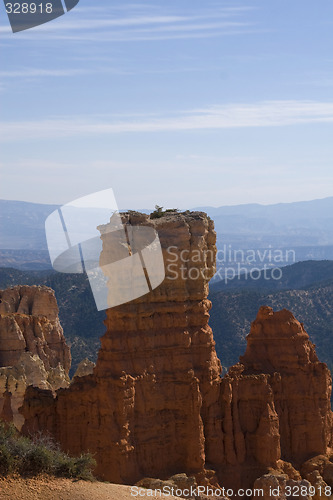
(33, 350)
(154, 394)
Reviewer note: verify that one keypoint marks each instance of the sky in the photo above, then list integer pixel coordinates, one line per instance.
(180, 103)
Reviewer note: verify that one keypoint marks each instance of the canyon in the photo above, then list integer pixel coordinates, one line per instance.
(156, 403)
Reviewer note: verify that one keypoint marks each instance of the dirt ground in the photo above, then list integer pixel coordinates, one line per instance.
(64, 489)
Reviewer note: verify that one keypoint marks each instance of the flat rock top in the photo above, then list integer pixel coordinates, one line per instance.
(65, 489)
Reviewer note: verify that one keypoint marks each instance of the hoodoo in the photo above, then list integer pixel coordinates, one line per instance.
(156, 403)
(33, 350)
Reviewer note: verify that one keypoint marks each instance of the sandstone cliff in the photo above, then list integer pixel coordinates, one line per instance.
(156, 404)
(275, 402)
(153, 397)
(279, 346)
(33, 350)
(29, 322)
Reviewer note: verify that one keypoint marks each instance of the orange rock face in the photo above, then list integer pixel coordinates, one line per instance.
(29, 322)
(154, 392)
(32, 347)
(156, 404)
(279, 346)
(250, 441)
(275, 402)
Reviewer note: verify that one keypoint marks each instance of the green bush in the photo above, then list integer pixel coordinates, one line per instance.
(159, 212)
(79, 467)
(35, 460)
(39, 455)
(6, 461)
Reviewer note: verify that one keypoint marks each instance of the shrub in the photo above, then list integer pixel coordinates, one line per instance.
(31, 457)
(159, 212)
(35, 459)
(6, 461)
(79, 467)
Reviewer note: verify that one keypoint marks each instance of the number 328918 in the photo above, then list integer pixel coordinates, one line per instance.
(26, 8)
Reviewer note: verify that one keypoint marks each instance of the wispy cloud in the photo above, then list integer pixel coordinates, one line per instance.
(40, 72)
(139, 22)
(149, 35)
(36, 73)
(261, 114)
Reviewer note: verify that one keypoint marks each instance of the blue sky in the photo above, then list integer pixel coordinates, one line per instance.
(178, 103)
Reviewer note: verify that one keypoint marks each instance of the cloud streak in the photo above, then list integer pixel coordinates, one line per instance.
(139, 24)
(40, 72)
(231, 116)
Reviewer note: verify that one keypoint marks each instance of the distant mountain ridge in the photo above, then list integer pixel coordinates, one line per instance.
(304, 208)
(305, 226)
(296, 276)
(281, 225)
(22, 225)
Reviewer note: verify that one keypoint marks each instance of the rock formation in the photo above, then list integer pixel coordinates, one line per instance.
(250, 441)
(156, 405)
(279, 346)
(319, 472)
(280, 487)
(33, 350)
(85, 367)
(275, 402)
(29, 322)
(182, 486)
(154, 393)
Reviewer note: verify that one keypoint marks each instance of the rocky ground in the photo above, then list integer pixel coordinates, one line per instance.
(63, 489)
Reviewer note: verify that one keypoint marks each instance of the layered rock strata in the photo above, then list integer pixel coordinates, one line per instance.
(154, 394)
(33, 350)
(279, 346)
(275, 402)
(29, 322)
(156, 404)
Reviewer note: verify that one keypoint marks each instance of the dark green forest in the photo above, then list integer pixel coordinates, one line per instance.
(305, 288)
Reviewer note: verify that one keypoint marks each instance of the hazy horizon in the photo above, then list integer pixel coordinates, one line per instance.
(184, 208)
